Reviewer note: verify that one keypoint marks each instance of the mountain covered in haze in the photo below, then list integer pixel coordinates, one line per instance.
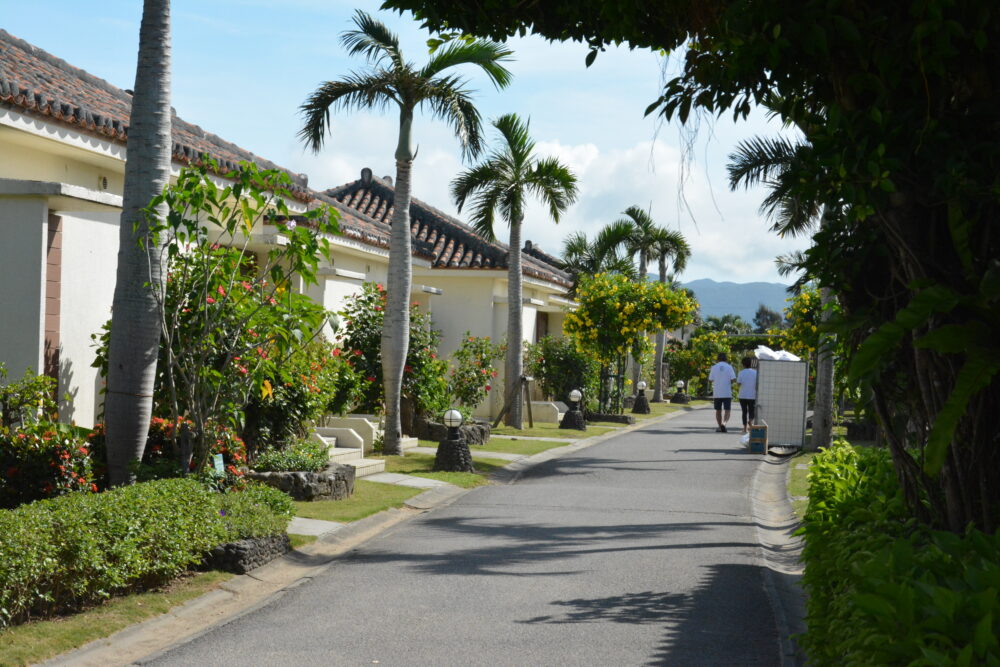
(738, 298)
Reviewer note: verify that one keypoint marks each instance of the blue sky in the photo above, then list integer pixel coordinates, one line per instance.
(241, 69)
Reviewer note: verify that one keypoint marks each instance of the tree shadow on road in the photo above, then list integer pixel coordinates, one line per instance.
(726, 619)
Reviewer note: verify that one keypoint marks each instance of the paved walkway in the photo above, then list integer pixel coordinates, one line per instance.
(663, 544)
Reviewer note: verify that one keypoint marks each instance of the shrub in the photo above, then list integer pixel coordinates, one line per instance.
(23, 401)
(305, 456)
(257, 511)
(472, 373)
(42, 460)
(560, 366)
(63, 554)
(424, 375)
(884, 589)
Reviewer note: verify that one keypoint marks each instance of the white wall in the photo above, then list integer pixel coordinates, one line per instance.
(90, 260)
(23, 230)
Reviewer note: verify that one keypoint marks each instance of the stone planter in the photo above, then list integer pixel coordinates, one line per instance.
(474, 433)
(244, 555)
(334, 483)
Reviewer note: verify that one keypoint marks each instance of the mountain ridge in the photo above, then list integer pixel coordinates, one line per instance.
(722, 298)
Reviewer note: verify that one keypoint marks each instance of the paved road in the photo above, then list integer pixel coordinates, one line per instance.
(636, 551)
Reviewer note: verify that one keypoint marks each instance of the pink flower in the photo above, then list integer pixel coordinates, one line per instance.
(357, 353)
(242, 369)
(379, 287)
(209, 299)
(246, 285)
(221, 290)
(272, 301)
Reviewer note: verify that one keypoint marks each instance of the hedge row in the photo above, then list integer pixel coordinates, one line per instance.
(66, 553)
(884, 590)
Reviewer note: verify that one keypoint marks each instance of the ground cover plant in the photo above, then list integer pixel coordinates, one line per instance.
(304, 455)
(884, 588)
(368, 498)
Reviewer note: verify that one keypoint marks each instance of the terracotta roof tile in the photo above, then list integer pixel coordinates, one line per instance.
(445, 241)
(37, 83)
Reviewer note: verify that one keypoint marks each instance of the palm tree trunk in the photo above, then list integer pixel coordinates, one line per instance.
(396, 327)
(515, 364)
(661, 342)
(636, 365)
(823, 408)
(135, 321)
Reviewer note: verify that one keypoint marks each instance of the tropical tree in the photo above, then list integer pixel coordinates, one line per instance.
(585, 257)
(504, 182)
(135, 331)
(669, 245)
(391, 80)
(766, 319)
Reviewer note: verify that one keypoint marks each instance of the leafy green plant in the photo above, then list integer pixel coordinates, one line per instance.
(883, 588)
(257, 511)
(473, 371)
(27, 399)
(304, 455)
(560, 366)
(42, 459)
(228, 314)
(424, 375)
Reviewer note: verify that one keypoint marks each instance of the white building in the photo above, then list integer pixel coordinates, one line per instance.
(62, 157)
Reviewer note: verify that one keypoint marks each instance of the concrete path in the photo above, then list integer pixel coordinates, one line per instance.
(643, 549)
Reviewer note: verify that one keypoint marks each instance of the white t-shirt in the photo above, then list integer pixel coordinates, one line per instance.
(721, 376)
(747, 380)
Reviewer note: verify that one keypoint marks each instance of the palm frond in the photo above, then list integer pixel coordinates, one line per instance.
(552, 182)
(482, 53)
(372, 39)
(451, 102)
(759, 160)
(517, 143)
(357, 91)
(471, 181)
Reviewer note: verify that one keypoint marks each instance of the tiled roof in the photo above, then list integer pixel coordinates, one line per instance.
(448, 243)
(37, 83)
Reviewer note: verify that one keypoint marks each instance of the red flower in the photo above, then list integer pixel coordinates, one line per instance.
(336, 352)
(93, 487)
(488, 387)
(11, 471)
(357, 353)
(209, 299)
(272, 301)
(246, 285)
(379, 287)
(370, 378)
(242, 369)
(83, 450)
(221, 290)
(433, 356)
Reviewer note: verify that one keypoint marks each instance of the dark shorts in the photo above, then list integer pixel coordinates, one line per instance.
(723, 403)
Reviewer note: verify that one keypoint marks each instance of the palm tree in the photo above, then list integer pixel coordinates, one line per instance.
(778, 164)
(391, 80)
(135, 322)
(504, 182)
(669, 245)
(584, 257)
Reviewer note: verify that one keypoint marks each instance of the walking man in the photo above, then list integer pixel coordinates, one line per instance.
(747, 379)
(722, 376)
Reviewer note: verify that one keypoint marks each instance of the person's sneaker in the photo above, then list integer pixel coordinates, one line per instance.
(719, 429)
(723, 428)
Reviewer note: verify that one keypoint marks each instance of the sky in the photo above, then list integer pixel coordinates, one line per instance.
(242, 68)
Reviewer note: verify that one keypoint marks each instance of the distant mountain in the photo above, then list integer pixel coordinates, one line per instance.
(738, 298)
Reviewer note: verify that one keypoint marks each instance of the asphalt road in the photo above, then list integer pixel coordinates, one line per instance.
(636, 551)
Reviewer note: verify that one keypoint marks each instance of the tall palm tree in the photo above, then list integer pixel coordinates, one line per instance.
(391, 80)
(503, 182)
(778, 164)
(135, 322)
(672, 246)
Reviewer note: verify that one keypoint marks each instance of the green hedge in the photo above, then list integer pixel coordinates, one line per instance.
(300, 456)
(66, 553)
(884, 590)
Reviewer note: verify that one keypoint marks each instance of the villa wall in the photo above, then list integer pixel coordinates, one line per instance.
(23, 232)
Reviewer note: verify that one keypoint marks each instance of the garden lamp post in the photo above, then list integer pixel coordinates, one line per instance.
(679, 396)
(453, 453)
(641, 405)
(574, 416)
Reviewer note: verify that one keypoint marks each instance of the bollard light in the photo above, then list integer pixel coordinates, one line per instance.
(575, 396)
(641, 386)
(574, 417)
(453, 418)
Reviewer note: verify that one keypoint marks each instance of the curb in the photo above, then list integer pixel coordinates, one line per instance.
(780, 553)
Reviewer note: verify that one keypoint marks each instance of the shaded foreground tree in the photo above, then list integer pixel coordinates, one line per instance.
(906, 140)
(392, 81)
(504, 182)
(135, 321)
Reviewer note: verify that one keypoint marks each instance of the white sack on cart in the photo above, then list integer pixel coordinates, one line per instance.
(766, 353)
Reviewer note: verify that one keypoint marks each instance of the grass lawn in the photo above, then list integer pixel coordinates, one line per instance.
(39, 640)
(508, 446)
(422, 465)
(547, 430)
(798, 485)
(368, 498)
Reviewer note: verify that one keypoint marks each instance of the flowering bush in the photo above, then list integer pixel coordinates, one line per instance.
(424, 375)
(693, 362)
(610, 322)
(314, 381)
(43, 459)
(228, 315)
(560, 366)
(471, 377)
